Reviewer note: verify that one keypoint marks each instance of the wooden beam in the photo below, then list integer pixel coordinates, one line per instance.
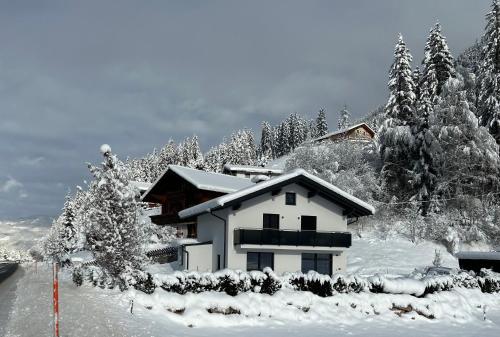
(236, 207)
(276, 192)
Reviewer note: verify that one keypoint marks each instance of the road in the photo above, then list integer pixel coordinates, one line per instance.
(10, 274)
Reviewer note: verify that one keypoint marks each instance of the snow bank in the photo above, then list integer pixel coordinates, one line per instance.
(214, 309)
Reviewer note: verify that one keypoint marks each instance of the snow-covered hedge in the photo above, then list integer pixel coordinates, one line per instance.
(267, 282)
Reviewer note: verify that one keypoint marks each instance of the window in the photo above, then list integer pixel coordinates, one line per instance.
(271, 221)
(307, 223)
(322, 263)
(259, 261)
(192, 231)
(290, 198)
(218, 262)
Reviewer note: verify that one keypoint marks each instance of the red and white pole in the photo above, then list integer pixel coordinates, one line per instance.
(55, 293)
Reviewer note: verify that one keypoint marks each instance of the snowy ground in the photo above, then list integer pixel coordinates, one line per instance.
(395, 255)
(88, 311)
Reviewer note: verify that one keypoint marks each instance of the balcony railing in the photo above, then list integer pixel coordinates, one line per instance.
(244, 236)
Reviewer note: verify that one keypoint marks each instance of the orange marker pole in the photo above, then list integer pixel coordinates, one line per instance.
(55, 292)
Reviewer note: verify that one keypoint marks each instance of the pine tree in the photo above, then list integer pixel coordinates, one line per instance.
(395, 136)
(321, 124)
(266, 142)
(437, 63)
(401, 102)
(489, 76)
(416, 80)
(424, 171)
(468, 162)
(68, 228)
(344, 118)
(115, 235)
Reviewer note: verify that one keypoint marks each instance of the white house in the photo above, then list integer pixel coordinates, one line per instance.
(293, 222)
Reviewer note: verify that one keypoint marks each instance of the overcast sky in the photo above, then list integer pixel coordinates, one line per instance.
(134, 74)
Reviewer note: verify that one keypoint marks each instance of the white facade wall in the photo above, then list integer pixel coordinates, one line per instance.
(250, 215)
(197, 257)
(286, 259)
(211, 228)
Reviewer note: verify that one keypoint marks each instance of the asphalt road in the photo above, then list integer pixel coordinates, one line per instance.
(9, 276)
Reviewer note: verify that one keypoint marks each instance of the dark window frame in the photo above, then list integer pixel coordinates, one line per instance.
(260, 258)
(291, 198)
(315, 262)
(306, 225)
(270, 221)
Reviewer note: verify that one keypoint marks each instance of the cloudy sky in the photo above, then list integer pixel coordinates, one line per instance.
(74, 75)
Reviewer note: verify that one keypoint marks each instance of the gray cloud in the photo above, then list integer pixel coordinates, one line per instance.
(134, 74)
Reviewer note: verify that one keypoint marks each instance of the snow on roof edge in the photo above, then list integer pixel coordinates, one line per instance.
(249, 168)
(478, 255)
(209, 205)
(178, 168)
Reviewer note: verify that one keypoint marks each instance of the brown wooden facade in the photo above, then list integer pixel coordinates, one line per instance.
(174, 194)
(360, 132)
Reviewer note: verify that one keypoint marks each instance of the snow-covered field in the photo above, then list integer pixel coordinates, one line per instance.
(88, 311)
(395, 255)
(24, 233)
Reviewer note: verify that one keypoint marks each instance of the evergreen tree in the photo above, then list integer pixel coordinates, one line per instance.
(489, 77)
(68, 228)
(401, 102)
(266, 142)
(168, 155)
(437, 63)
(424, 171)
(344, 118)
(395, 136)
(416, 80)
(115, 235)
(321, 124)
(468, 162)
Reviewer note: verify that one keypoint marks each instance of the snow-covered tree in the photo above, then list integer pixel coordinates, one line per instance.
(395, 135)
(321, 123)
(489, 76)
(115, 235)
(241, 149)
(216, 157)
(190, 154)
(168, 155)
(401, 102)
(437, 63)
(266, 142)
(68, 228)
(469, 162)
(344, 116)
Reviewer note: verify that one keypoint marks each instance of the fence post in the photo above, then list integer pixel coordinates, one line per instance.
(55, 293)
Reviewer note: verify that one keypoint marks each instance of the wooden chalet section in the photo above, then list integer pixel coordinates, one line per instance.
(358, 132)
(179, 188)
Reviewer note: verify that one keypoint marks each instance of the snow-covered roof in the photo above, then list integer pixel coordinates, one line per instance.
(203, 180)
(341, 197)
(339, 132)
(478, 255)
(251, 169)
(141, 185)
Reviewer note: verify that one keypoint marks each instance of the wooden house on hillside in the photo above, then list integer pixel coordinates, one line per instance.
(358, 132)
